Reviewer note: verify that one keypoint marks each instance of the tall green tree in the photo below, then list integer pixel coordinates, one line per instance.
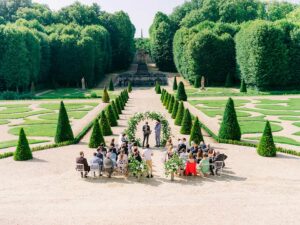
(111, 116)
(181, 95)
(63, 131)
(116, 111)
(23, 151)
(175, 86)
(111, 85)
(175, 109)
(196, 134)
(105, 97)
(230, 128)
(104, 125)
(171, 104)
(96, 137)
(266, 145)
(186, 123)
(180, 114)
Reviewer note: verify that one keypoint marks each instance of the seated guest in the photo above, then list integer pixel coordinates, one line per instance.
(169, 153)
(220, 157)
(108, 165)
(184, 156)
(130, 146)
(185, 143)
(191, 166)
(181, 146)
(207, 148)
(194, 149)
(169, 143)
(124, 148)
(202, 145)
(211, 153)
(122, 163)
(136, 154)
(204, 166)
(199, 156)
(96, 161)
(124, 138)
(82, 160)
(112, 142)
(113, 155)
(102, 149)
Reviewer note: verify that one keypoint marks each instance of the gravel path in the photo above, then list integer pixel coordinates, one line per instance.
(47, 190)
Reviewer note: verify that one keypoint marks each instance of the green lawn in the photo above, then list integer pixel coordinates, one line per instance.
(23, 115)
(288, 118)
(13, 143)
(219, 112)
(39, 130)
(70, 106)
(218, 103)
(2, 122)
(250, 127)
(65, 93)
(281, 140)
(71, 114)
(15, 110)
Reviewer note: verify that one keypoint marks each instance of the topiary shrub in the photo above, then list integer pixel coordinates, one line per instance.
(116, 112)
(229, 80)
(23, 151)
(175, 109)
(96, 137)
(166, 98)
(157, 88)
(230, 128)
(118, 104)
(122, 103)
(163, 92)
(105, 97)
(93, 95)
(175, 86)
(181, 95)
(186, 123)
(243, 88)
(63, 131)
(266, 145)
(104, 125)
(111, 116)
(197, 82)
(180, 114)
(196, 134)
(111, 85)
(171, 104)
(129, 88)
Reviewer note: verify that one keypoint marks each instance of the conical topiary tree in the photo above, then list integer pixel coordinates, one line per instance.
(196, 134)
(129, 88)
(180, 114)
(243, 88)
(175, 84)
(157, 88)
(104, 125)
(122, 103)
(165, 98)
(23, 151)
(175, 109)
(105, 97)
(168, 101)
(181, 95)
(163, 92)
(111, 116)
(96, 137)
(113, 104)
(111, 85)
(186, 123)
(171, 104)
(230, 128)
(266, 145)
(197, 82)
(63, 131)
(229, 80)
(119, 107)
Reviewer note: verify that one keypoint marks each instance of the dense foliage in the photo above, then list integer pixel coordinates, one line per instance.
(204, 44)
(186, 123)
(268, 54)
(196, 134)
(46, 48)
(181, 94)
(96, 137)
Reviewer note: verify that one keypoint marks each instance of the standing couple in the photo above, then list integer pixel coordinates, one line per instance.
(147, 132)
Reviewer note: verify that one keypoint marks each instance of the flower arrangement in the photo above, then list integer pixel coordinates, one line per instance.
(137, 168)
(138, 117)
(173, 165)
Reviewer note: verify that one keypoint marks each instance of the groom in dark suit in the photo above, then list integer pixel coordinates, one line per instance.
(146, 132)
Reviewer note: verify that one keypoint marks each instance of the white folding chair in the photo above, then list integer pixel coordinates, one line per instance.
(94, 168)
(80, 168)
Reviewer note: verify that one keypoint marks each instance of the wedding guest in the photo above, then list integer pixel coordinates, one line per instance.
(122, 163)
(82, 160)
(147, 155)
(157, 130)
(199, 156)
(108, 165)
(204, 166)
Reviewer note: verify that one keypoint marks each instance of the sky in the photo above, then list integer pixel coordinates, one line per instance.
(141, 12)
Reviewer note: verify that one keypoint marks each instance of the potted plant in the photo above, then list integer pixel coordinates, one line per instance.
(137, 168)
(173, 165)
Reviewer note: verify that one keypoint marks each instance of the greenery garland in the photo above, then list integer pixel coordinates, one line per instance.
(173, 165)
(138, 117)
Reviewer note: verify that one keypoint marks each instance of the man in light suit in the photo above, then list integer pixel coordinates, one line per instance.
(157, 129)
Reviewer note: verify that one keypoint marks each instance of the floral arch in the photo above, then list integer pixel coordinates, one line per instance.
(138, 117)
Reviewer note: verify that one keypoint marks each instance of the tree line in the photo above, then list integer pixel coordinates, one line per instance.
(48, 48)
(215, 39)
